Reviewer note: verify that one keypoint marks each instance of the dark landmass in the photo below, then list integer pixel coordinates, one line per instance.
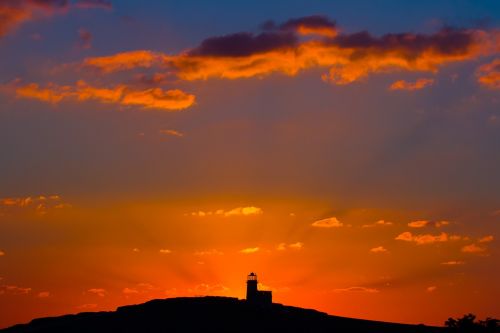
(210, 314)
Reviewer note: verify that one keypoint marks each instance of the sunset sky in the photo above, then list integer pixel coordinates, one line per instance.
(346, 151)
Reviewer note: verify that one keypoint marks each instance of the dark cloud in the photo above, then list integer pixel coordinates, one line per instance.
(244, 44)
(314, 21)
(446, 42)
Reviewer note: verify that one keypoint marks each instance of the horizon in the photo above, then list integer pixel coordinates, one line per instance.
(346, 151)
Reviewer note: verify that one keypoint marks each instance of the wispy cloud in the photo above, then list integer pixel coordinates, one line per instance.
(165, 251)
(356, 290)
(40, 205)
(453, 263)
(15, 12)
(238, 211)
(208, 289)
(250, 250)
(426, 238)
(211, 252)
(293, 246)
(426, 223)
(486, 239)
(98, 291)
(431, 289)
(379, 223)
(410, 86)
(153, 98)
(43, 294)
(14, 290)
(2, 253)
(473, 248)
(171, 132)
(379, 249)
(488, 75)
(330, 222)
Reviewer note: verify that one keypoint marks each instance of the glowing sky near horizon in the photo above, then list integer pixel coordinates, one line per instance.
(346, 151)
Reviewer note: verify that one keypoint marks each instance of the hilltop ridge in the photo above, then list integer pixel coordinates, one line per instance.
(210, 314)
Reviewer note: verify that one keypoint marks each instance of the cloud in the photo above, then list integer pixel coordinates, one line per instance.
(250, 250)
(426, 238)
(431, 289)
(87, 306)
(84, 38)
(165, 251)
(154, 98)
(417, 85)
(171, 132)
(379, 249)
(140, 288)
(43, 294)
(244, 211)
(98, 291)
(357, 290)
(486, 239)
(488, 75)
(311, 25)
(2, 253)
(453, 263)
(40, 205)
(238, 211)
(473, 248)
(330, 222)
(15, 12)
(378, 223)
(425, 223)
(209, 253)
(293, 246)
(14, 290)
(124, 61)
(348, 57)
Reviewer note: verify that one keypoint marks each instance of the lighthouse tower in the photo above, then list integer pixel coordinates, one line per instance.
(252, 292)
(254, 295)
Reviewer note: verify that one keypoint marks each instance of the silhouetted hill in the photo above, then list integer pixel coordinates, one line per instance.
(210, 314)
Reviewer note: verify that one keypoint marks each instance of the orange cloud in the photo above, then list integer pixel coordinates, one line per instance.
(486, 239)
(14, 290)
(124, 61)
(453, 263)
(165, 251)
(425, 223)
(293, 246)
(16, 12)
(331, 222)
(43, 294)
(97, 291)
(238, 211)
(379, 249)
(357, 290)
(171, 133)
(417, 85)
(41, 205)
(250, 250)
(488, 75)
(349, 57)
(378, 223)
(155, 98)
(426, 238)
(473, 248)
(2, 253)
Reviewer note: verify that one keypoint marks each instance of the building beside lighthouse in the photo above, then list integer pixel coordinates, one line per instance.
(256, 296)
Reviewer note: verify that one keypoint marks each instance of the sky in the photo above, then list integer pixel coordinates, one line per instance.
(345, 151)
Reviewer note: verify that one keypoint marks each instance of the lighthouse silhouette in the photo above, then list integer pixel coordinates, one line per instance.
(254, 295)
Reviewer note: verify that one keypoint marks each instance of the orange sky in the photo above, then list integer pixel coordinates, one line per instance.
(161, 152)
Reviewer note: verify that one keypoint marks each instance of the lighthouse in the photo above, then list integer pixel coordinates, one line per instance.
(254, 295)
